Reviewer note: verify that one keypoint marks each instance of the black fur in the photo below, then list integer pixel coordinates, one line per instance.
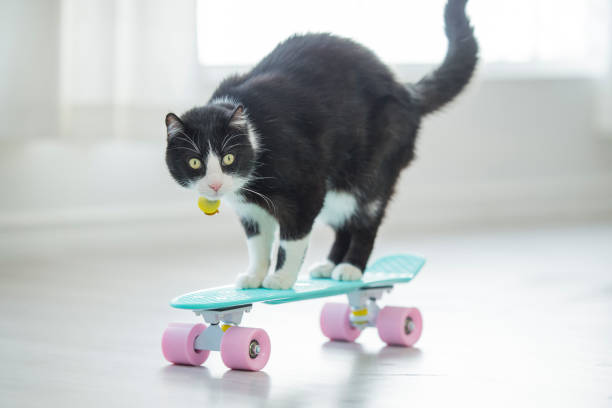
(442, 85)
(251, 228)
(280, 258)
(330, 116)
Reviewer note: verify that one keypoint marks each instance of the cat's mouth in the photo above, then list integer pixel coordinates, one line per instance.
(213, 189)
(216, 189)
(212, 195)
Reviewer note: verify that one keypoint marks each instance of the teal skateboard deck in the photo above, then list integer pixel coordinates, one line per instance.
(246, 348)
(385, 271)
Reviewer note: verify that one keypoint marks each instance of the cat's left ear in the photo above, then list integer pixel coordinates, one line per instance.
(238, 118)
(174, 125)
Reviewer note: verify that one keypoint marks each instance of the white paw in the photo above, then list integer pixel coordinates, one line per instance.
(322, 269)
(249, 280)
(279, 280)
(346, 272)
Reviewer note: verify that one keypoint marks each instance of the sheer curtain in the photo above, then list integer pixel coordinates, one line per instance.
(605, 105)
(123, 64)
(28, 69)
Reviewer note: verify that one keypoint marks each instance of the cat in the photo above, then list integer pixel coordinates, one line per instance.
(318, 129)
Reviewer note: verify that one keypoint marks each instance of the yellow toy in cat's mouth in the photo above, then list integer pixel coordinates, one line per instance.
(209, 207)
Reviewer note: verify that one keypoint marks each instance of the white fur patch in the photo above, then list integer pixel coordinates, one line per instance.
(214, 175)
(322, 269)
(259, 246)
(338, 207)
(346, 272)
(213, 165)
(253, 135)
(373, 208)
(225, 100)
(248, 210)
(285, 277)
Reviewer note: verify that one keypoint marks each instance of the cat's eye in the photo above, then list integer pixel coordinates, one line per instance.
(228, 159)
(195, 163)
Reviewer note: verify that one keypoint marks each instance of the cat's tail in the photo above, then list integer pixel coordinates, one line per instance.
(445, 82)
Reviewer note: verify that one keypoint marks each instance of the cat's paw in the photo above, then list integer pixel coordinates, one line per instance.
(322, 269)
(279, 281)
(248, 281)
(346, 272)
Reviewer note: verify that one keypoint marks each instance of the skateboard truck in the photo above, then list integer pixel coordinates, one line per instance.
(210, 338)
(364, 309)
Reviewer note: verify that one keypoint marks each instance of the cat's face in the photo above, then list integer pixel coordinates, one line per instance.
(211, 149)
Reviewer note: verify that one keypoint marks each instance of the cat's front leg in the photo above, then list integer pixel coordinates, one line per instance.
(260, 237)
(291, 253)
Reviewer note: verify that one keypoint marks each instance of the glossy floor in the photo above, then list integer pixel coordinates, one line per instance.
(511, 318)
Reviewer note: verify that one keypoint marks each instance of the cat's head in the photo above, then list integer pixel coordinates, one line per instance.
(211, 149)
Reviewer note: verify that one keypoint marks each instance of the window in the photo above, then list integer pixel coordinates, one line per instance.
(557, 32)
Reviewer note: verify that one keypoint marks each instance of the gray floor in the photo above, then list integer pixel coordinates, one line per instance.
(514, 317)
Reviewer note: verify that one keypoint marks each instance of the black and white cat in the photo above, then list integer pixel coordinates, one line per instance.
(318, 129)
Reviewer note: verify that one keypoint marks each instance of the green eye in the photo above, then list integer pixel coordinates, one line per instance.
(195, 163)
(228, 159)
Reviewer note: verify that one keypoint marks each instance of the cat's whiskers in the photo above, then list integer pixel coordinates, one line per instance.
(184, 148)
(267, 199)
(235, 145)
(188, 140)
(229, 138)
(226, 141)
(256, 165)
(260, 178)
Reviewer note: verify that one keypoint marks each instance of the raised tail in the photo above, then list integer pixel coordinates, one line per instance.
(445, 82)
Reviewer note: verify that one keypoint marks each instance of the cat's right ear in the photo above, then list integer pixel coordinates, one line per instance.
(173, 125)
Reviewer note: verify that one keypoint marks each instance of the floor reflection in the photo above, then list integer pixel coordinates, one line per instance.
(398, 355)
(359, 373)
(367, 369)
(255, 384)
(231, 386)
(187, 376)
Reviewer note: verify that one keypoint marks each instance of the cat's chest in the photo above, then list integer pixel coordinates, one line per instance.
(338, 208)
(251, 211)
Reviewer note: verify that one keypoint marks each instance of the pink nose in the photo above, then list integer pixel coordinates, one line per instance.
(215, 186)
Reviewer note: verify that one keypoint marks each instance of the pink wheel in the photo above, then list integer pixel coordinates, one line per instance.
(399, 326)
(178, 344)
(244, 348)
(335, 322)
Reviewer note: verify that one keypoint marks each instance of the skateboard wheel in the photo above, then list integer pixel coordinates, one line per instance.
(336, 324)
(399, 326)
(178, 344)
(245, 348)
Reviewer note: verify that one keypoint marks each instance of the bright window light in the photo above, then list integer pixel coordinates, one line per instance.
(241, 32)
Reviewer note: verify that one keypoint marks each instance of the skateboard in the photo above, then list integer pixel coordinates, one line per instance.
(245, 348)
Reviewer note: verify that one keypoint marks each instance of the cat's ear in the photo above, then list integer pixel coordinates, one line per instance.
(174, 125)
(238, 118)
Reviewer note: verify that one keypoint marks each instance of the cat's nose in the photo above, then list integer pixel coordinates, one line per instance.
(215, 186)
